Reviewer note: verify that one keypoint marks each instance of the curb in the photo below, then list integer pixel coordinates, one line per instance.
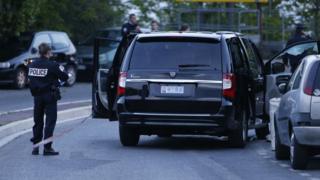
(13, 130)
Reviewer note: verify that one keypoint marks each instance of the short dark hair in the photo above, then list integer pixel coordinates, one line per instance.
(154, 21)
(131, 15)
(184, 27)
(44, 49)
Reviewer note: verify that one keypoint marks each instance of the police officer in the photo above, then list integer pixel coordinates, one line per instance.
(131, 26)
(299, 35)
(44, 76)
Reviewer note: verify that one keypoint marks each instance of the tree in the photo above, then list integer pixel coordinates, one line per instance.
(17, 16)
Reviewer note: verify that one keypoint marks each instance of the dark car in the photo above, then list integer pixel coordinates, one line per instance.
(182, 83)
(85, 48)
(15, 55)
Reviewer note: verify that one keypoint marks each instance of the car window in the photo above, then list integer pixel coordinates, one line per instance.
(106, 58)
(294, 82)
(59, 41)
(174, 53)
(237, 54)
(295, 54)
(253, 59)
(41, 38)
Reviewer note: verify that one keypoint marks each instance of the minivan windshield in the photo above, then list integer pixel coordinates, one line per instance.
(177, 53)
(14, 47)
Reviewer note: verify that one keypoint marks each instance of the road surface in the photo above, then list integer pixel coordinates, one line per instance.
(92, 151)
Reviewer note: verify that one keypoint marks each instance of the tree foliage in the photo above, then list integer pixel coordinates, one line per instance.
(79, 18)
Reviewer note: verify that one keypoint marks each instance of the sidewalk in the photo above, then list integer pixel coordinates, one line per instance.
(19, 127)
(11, 117)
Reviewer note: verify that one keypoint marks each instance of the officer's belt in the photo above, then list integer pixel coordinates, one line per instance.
(40, 91)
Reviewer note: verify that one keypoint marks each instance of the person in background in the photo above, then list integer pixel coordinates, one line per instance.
(131, 26)
(299, 35)
(293, 61)
(154, 26)
(184, 28)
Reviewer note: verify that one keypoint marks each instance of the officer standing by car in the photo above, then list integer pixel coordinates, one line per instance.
(44, 76)
(131, 26)
(298, 36)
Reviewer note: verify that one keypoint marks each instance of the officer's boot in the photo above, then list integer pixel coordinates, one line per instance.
(35, 151)
(50, 152)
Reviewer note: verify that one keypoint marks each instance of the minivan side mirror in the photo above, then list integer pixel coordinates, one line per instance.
(282, 88)
(278, 67)
(34, 50)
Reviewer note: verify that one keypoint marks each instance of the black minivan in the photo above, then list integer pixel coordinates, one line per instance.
(182, 83)
(19, 51)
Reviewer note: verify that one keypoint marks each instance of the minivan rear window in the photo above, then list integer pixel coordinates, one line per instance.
(171, 53)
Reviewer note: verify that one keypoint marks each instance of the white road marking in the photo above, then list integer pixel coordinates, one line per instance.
(305, 174)
(284, 165)
(31, 108)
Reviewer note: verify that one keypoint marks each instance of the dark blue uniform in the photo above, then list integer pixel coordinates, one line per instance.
(44, 76)
(128, 28)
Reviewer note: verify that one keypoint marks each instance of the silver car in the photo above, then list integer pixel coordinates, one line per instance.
(297, 120)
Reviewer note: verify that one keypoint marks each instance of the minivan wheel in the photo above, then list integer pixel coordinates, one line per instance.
(282, 152)
(21, 79)
(128, 136)
(73, 75)
(298, 154)
(262, 133)
(238, 137)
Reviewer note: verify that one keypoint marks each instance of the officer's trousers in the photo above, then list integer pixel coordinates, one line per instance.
(44, 104)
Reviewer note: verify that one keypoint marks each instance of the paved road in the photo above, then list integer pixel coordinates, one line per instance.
(92, 151)
(11, 99)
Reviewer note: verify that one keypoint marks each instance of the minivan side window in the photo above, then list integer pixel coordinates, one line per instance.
(253, 59)
(59, 41)
(237, 54)
(41, 38)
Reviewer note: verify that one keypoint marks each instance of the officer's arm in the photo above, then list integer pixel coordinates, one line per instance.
(59, 73)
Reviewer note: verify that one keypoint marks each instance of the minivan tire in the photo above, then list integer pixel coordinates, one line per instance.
(282, 152)
(298, 154)
(20, 78)
(262, 132)
(128, 135)
(237, 138)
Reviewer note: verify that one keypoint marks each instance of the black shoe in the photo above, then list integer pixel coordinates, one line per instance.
(50, 152)
(35, 151)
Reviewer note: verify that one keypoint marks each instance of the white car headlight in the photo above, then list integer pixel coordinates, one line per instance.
(5, 65)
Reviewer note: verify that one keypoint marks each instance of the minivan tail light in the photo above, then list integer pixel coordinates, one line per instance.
(229, 86)
(122, 84)
(309, 85)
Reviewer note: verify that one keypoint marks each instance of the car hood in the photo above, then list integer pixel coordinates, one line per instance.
(19, 59)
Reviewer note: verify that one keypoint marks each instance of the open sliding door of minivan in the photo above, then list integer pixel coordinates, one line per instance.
(104, 53)
(108, 56)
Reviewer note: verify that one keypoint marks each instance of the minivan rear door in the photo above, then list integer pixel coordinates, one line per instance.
(175, 75)
(104, 53)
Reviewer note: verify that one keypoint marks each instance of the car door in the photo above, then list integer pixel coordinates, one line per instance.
(107, 59)
(277, 69)
(288, 104)
(256, 87)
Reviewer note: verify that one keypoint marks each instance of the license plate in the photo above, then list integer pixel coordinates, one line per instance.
(172, 89)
